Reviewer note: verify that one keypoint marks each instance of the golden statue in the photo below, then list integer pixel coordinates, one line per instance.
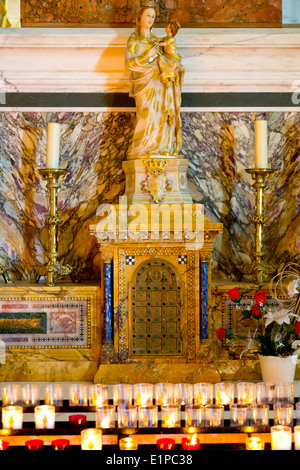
(156, 75)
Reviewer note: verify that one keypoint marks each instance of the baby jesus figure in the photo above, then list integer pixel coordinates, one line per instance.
(170, 61)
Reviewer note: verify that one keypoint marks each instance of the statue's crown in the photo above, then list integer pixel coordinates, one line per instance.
(149, 4)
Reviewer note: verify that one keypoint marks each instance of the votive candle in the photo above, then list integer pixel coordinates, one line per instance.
(44, 416)
(203, 393)
(3, 445)
(12, 417)
(297, 437)
(190, 443)
(122, 394)
(54, 394)
(78, 395)
(30, 395)
(246, 393)
(170, 416)
(77, 420)
(255, 443)
(148, 416)
(34, 444)
(214, 415)
(183, 394)
(165, 444)
(194, 415)
(281, 438)
(105, 416)
(164, 393)
(11, 394)
(60, 444)
(127, 416)
(128, 443)
(91, 439)
(224, 393)
(143, 394)
(98, 395)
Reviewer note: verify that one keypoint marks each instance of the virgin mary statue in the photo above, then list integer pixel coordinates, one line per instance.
(158, 123)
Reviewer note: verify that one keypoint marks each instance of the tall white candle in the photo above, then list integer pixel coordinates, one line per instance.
(261, 144)
(53, 143)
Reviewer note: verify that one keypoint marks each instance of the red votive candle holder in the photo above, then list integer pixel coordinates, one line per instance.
(60, 444)
(165, 444)
(3, 445)
(34, 444)
(190, 443)
(77, 420)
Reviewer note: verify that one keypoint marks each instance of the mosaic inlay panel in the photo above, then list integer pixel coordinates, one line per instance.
(42, 322)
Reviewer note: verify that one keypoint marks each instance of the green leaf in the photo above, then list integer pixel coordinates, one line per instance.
(246, 313)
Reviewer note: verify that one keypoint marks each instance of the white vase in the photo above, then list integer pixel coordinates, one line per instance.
(276, 369)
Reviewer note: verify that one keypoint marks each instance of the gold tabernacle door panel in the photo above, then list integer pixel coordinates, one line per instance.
(156, 311)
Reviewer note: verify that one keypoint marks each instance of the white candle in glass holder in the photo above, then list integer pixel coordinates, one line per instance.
(53, 145)
(281, 438)
(203, 393)
(122, 394)
(265, 393)
(283, 414)
(127, 416)
(11, 394)
(78, 395)
(148, 416)
(53, 394)
(259, 414)
(12, 417)
(164, 393)
(183, 394)
(105, 416)
(194, 415)
(98, 395)
(143, 394)
(44, 417)
(284, 392)
(246, 393)
(170, 416)
(30, 395)
(297, 437)
(214, 415)
(238, 414)
(91, 439)
(224, 393)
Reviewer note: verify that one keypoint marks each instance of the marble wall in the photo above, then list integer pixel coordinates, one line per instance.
(219, 147)
(191, 13)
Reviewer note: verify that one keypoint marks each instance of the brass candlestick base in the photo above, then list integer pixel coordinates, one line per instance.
(259, 267)
(53, 268)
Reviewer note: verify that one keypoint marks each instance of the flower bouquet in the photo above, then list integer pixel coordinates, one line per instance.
(277, 329)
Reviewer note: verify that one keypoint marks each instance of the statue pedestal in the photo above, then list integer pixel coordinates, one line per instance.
(157, 179)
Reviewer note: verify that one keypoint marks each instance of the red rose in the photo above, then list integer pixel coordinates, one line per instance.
(221, 333)
(256, 312)
(234, 294)
(297, 328)
(260, 298)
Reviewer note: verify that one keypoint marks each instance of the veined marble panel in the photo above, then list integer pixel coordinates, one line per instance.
(219, 147)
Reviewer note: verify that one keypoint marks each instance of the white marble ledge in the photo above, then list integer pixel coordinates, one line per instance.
(92, 59)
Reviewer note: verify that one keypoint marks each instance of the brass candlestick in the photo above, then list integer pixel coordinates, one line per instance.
(259, 267)
(53, 268)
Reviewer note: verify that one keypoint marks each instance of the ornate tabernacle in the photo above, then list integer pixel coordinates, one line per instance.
(156, 243)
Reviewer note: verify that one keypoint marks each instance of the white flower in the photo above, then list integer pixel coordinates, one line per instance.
(278, 316)
(293, 287)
